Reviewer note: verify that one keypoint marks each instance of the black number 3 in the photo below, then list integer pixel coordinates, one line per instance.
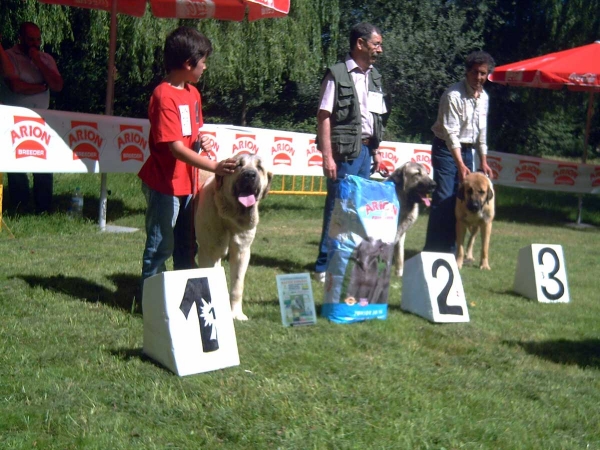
(561, 286)
(443, 297)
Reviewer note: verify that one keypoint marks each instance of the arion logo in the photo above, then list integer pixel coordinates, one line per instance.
(422, 157)
(30, 137)
(213, 144)
(132, 143)
(381, 209)
(245, 144)
(313, 154)
(282, 151)
(389, 159)
(495, 164)
(565, 174)
(527, 171)
(85, 141)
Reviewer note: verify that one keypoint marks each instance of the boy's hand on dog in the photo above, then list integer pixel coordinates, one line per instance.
(226, 167)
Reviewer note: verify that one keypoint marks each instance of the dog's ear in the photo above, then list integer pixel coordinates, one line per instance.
(397, 177)
(460, 194)
(219, 180)
(490, 193)
(268, 188)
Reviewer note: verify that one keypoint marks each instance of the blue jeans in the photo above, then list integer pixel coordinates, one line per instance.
(18, 190)
(441, 228)
(169, 232)
(361, 167)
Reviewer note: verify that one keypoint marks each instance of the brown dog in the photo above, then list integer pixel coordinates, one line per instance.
(226, 220)
(413, 186)
(474, 210)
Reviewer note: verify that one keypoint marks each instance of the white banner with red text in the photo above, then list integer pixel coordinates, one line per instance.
(68, 142)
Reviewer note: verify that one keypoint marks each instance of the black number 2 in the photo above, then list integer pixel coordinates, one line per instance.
(561, 286)
(443, 297)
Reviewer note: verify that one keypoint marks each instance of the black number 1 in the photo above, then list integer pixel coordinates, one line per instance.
(443, 297)
(561, 286)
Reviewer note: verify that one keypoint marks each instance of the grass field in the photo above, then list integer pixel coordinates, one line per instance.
(519, 375)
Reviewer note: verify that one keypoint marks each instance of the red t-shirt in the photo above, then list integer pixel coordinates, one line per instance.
(175, 115)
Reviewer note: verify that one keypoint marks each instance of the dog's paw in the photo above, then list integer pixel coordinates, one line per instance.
(459, 263)
(484, 266)
(240, 316)
(236, 312)
(469, 261)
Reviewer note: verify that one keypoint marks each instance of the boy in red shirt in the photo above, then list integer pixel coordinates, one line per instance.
(175, 114)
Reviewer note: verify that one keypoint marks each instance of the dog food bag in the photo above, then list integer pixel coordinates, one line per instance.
(360, 248)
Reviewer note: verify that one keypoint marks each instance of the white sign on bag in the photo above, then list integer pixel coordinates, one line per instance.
(188, 326)
(432, 288)
(541, 274)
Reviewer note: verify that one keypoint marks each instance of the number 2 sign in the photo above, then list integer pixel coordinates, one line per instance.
(432, 288)
(541, 274)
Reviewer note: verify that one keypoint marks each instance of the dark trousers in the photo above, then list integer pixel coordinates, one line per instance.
(18, 190)
(361, 167)
(441, 228)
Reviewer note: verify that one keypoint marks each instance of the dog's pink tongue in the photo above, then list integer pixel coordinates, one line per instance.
(427, 201)
(247, 200)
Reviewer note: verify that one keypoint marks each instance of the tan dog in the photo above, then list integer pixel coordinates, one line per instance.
(474, 211)
(413, 186)
(226, 220)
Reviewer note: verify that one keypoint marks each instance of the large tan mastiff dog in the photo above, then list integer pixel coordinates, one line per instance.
(226, 220)
(474, 211)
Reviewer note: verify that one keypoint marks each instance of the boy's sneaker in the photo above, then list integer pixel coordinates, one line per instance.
(319, 277)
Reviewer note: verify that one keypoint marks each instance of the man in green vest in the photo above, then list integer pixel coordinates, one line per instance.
(349, 121)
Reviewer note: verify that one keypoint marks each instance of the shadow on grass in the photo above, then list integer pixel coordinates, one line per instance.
(585, 354)
(128, 354)
(285, 265)
(126, 297)
(116, 209)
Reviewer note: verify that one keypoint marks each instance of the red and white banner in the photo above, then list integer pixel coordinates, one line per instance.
(64, 142)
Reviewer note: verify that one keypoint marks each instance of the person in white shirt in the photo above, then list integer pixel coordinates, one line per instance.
(35, 75)
(460, 128)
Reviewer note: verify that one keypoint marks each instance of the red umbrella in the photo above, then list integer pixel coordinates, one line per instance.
(577, 68)
(182, 9)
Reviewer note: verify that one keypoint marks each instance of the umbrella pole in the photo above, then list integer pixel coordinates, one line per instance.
(110, 90)
(588, 124)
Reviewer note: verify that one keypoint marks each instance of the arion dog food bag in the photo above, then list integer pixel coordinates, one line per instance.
(361, 244)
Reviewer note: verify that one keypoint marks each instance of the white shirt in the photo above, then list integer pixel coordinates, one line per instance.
(360, 79)
(462, 118)
(27, 71)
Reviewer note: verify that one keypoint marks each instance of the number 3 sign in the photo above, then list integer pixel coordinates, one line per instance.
(432, 288)
(541, 274)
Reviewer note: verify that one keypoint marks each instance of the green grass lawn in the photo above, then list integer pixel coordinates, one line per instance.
(519, 375)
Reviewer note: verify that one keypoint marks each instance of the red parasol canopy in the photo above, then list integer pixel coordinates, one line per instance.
(234, 10)
(577, 68)
(189, 9)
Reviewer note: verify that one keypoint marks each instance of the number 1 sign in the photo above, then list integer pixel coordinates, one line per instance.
(188, 326)
(541, 274)
(432, 288)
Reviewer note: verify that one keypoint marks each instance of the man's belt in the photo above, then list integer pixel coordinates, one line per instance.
(465, 146)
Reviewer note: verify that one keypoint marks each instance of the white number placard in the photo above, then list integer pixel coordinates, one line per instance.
(541, 274)
(188, 326)
(432, 288)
